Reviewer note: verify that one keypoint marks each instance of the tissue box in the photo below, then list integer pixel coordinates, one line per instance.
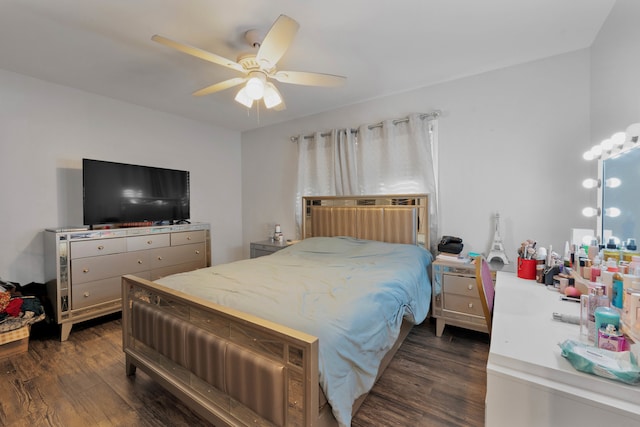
(14, 342)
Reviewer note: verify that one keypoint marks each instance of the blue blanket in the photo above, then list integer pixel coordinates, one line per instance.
(352, 294)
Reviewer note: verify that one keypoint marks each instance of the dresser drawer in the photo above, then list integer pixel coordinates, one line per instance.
(463, 304)
(138, 243)
(163, 257)
(96, 268)
(99, 291)
(188, 237)
(257, 252)
(89, 248)
(460, 285)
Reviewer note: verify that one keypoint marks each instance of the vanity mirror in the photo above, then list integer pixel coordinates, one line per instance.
(620, 203)
(618, 185)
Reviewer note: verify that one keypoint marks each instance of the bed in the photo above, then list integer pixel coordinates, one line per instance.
(285, 339)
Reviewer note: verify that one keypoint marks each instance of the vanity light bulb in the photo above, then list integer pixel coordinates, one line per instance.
(613, 182)
(588, 155)
(607, 144)
(589, 212)
(619, 138)
(596, 150)
(590, 183)
(612, 212)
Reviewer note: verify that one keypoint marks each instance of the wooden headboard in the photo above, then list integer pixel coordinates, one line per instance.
(386, 218)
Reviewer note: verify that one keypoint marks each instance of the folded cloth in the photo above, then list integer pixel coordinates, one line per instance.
(14, 307)
(29, 310)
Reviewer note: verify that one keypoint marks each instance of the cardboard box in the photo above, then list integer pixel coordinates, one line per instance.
(14, 342)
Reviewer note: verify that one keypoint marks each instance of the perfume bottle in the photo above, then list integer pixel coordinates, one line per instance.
(595, 299)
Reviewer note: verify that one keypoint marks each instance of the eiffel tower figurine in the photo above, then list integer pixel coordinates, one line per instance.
(497, 249)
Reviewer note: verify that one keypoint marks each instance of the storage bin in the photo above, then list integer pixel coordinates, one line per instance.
(14, 342)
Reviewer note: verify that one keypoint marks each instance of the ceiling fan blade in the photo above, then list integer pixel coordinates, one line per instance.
(277, 41)
(220, 86)
(199, 53)
(308, 79)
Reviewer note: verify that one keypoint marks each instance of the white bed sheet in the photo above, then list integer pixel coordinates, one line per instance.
(352, 294)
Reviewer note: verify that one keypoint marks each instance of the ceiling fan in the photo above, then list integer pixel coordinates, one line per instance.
(260, 67)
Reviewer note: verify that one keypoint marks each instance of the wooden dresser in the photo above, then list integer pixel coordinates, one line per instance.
(83, 268)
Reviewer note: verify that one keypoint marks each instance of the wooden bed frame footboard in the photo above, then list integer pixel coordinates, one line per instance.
(230, 367)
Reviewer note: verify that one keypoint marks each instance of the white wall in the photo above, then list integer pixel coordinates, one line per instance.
(46, 130)
(615, 67)
(510, 141)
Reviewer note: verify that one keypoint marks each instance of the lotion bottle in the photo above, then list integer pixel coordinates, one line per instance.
(618, 290)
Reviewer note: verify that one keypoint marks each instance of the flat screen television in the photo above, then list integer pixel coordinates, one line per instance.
(120, 193)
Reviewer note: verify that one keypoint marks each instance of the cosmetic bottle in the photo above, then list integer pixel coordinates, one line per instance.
(634, 264)
(540, 264)
(568, 255)
(617, 289)
(604, 316)
(586, 270)
(596, 299)
(595, 270)
(592, 251)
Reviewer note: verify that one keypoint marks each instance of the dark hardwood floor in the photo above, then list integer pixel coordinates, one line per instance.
(81, 382)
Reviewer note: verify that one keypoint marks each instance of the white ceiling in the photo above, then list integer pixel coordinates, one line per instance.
(105, 47)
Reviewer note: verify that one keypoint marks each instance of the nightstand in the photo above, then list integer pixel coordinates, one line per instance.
(455, 299)
(266, 247)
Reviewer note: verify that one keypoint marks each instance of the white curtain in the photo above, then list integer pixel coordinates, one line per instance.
(394, 157)
(326, 167)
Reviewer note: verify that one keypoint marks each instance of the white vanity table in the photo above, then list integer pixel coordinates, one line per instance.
(529, 383)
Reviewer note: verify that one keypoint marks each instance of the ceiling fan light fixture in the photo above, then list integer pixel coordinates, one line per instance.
(272, 97)
(243, 98)
(255, 86)
(257, 68)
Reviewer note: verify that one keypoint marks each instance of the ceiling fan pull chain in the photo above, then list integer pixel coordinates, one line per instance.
(258, 111)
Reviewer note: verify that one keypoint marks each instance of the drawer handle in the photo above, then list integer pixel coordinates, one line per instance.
(100, 247)
(159, 258)
(86, 295)
(139, 261)
(470, 305)
(188, 237)
(86, 270)
(149, 242)
(197, 252)
(470, 287)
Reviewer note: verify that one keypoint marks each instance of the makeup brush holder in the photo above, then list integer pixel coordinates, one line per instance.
(527, 268)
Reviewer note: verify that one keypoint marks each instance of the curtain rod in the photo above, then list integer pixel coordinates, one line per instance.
(429, 116)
